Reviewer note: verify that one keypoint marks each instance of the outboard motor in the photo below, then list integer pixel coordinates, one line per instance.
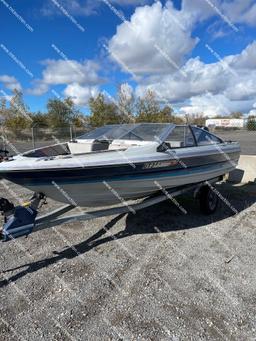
(19, 220)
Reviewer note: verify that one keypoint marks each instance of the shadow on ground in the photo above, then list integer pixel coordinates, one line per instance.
(161, 218)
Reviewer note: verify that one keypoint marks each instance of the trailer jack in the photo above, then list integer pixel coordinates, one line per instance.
(19, 220)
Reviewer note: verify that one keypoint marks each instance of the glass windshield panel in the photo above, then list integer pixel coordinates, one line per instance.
(204, 138)
(141, 132)
(105, 133)
(180, 137)
(146, 132)
(94, 134)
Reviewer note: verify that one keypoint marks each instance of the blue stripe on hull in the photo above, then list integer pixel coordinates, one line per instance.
(154, 175)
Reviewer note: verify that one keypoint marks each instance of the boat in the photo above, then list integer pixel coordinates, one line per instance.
(116, 163)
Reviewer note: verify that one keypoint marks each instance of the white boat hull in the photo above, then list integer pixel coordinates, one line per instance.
(110, 192)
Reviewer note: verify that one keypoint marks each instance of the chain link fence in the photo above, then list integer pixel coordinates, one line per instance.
(21, 141)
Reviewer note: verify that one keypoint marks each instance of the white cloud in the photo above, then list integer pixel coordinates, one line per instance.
(196, 11)
(73, 7)
(215, 105)
(155, 40)
(154, 45)
(232, 80)
(69, 71)
(39, 88)
(130, 2)
(80, 94)
(252, 112)
(245, 60)
(240, 11)
(10, 82)
(218, 30)
(230, 12)
(200, 78)
(83, 8)
(80, 79)
(192, 12)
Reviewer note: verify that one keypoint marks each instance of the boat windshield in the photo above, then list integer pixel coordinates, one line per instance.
(141, 132)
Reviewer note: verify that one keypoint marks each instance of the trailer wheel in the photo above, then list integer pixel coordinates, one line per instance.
(208, 200)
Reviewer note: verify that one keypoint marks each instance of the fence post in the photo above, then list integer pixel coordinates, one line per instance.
(33, 138)
(71, 132)
(3, 138)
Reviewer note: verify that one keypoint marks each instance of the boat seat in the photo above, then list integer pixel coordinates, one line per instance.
(121, 144)
(175, 144)
(100, 145)
(79, 148)
(87, 147)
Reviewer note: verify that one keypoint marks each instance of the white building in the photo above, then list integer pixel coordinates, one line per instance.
(226, 122)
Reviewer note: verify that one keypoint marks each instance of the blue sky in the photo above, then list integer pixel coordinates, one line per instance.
(197, 55)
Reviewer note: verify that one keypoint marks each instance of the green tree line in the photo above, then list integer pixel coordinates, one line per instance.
(60, 113)
(103, 110)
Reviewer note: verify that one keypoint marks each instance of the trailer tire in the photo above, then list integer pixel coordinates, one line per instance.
(208, 199)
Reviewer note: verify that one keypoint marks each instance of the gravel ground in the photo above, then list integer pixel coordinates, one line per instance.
(156, 275)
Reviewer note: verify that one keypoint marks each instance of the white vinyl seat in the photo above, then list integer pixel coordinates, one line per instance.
(79, 148)
(122, 144)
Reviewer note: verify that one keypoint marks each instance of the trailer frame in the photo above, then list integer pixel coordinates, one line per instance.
(12, 231)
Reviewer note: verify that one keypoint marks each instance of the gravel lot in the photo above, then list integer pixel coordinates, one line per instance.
(156, 275)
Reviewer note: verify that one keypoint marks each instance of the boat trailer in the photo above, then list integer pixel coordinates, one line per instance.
(22, 220)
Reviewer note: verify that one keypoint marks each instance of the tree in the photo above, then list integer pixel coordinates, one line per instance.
(3, 104)
(17, 105)
(40, 120)
(17, 116)
(147, 108)
(60, 112)
(126, 103)
(251, 123)
(236, 115)
(103, 112)
(196, 119)
(166, 115)
(3, 109)
(80, 121)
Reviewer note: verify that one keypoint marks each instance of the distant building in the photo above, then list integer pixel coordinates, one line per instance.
(226, 122)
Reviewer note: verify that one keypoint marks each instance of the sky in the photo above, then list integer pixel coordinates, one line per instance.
(198, 56)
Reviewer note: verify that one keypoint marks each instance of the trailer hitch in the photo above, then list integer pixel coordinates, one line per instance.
(20, 220)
